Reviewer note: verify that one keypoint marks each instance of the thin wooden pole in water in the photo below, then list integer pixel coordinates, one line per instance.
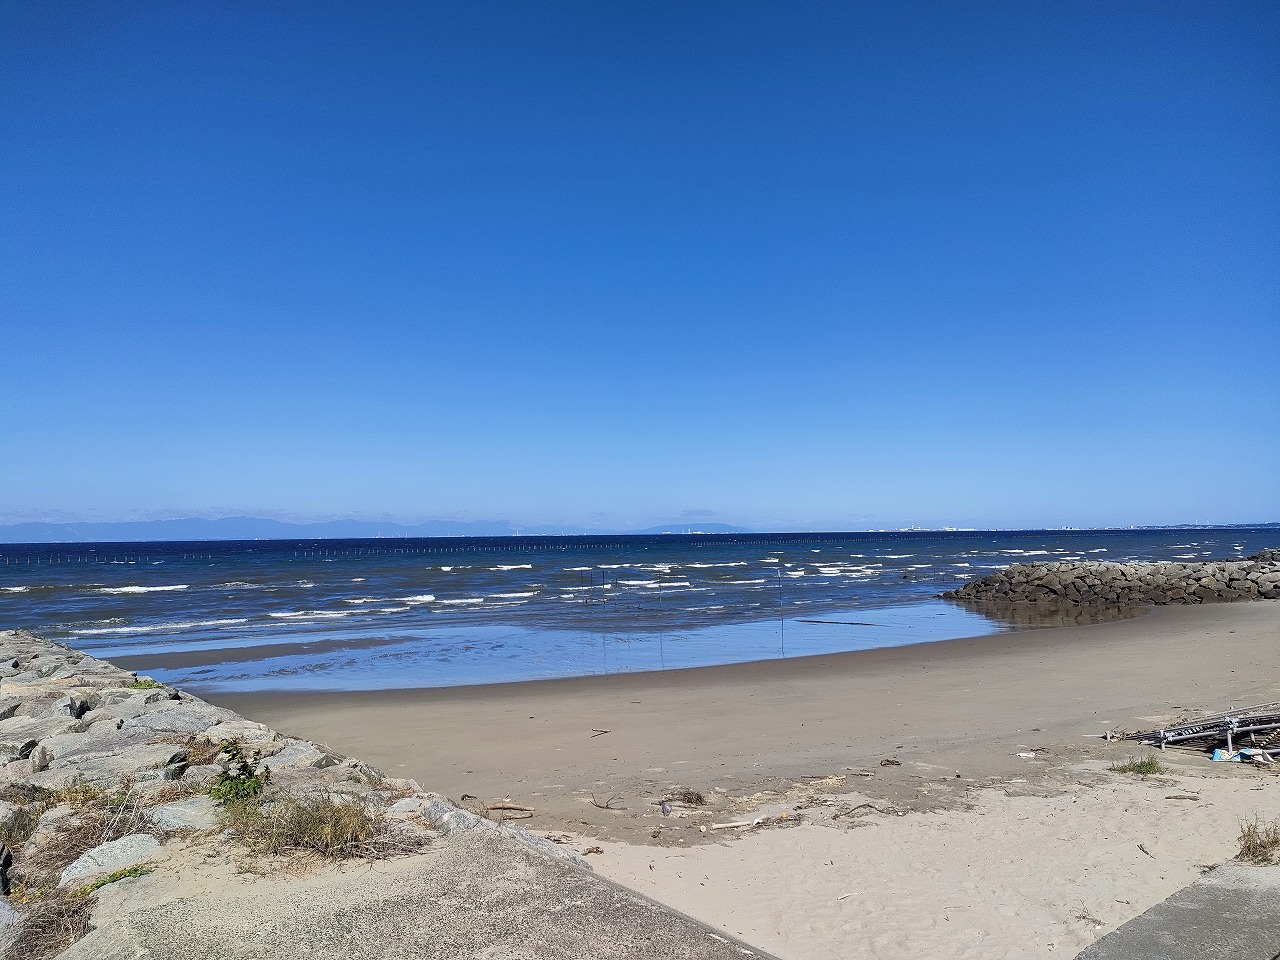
(782, 614)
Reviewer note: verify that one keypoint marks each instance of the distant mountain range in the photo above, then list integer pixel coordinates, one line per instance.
(258, 528)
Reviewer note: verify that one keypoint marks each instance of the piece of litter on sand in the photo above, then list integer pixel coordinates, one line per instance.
(1028, 756)
(890, 762)
(599, 733)
(1146, 851)
(1181, 796)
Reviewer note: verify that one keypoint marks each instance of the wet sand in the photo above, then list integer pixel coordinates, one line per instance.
(954, 714)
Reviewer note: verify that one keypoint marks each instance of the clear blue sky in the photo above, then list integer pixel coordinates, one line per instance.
(803, 264)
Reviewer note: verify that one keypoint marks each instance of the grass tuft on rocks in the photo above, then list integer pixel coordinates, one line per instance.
(334, 830)
(145, 683)
(1141, 766)
(125, 874)
(99, 818)
(201, 751)
(1259, 842)
(48, 925)
(32, 801)
(21, 825)
(51, 918)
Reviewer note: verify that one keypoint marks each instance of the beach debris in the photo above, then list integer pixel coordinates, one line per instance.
(558, 837)
(850, 811)
(890, 762)
(608, 804)
(1259, 723)
(506, 810)
(590, 850)
(781, 820)
(819, 779)
(690, 797)
(1146, 851)
(1085, 916)
(1027, 755)
(1247, 755)
(596, 732)
(665, 808)
(1182, 796)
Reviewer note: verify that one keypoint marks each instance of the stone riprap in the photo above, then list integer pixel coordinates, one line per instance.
(1095, 582)
(68, 720)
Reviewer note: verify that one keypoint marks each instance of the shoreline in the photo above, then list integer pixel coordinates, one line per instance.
(964, 706)
(1034, 621)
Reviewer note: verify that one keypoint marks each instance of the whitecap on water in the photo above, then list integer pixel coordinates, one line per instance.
(158, 627)
(134, 588)
(311, 614)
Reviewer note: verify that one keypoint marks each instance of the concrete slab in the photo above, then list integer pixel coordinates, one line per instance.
(1231, 913)
(480, 894)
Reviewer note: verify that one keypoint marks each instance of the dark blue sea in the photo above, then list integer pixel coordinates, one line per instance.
(378, 614)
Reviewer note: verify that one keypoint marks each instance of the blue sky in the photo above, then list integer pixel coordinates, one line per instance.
(789, 265)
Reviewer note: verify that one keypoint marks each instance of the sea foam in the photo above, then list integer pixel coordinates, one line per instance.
(134, 588)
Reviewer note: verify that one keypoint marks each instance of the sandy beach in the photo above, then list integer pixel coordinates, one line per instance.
(999, 830)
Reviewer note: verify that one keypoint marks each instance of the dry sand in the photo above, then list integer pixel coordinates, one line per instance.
(1014, 857)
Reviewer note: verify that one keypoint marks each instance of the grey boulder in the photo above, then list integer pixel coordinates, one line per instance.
(111, 857)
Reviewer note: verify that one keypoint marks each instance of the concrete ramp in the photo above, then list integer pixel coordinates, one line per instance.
(479, 894)
(1231, 913)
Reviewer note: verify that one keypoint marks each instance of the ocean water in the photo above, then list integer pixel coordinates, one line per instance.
(379, 614)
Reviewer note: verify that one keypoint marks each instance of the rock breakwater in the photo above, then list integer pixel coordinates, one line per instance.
(1093, 582)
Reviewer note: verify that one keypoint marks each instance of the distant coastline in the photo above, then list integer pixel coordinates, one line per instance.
(196, 529)
(193, 529)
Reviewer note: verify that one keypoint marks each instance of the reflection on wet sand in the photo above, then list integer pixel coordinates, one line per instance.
(1027, 614)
